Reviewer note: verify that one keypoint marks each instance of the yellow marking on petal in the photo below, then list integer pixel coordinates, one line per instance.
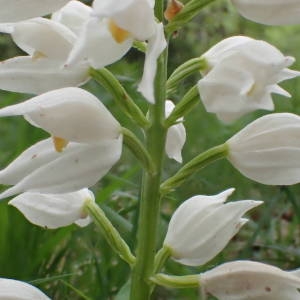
(120, 35)
(37, 55)
(251, 90)
(173, 8)
(59, 143)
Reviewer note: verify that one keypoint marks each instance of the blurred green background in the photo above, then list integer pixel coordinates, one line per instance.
(77, 263)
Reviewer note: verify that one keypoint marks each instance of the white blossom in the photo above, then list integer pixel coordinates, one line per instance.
(19, 10)
(248, 280)
(241, 76)
(72, 114)
(176, 135)
(203, 225)
(11, 289)
(48, 44)
(268, 149)
(42, 169)
(54, 210)
(270, 12)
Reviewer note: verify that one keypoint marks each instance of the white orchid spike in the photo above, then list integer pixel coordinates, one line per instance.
(72, 114)
(19, 10)
(43, 69)
(249, 280)
(268, 149)
(42, 169)
(11, 289)
(203, 225)
(54, 210)
(176, 135)
(270, 12)
(234, 83)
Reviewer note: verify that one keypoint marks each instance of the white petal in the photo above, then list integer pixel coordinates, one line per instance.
(17, 290)
(35, 76)
(156, 45)
(176, 136)
(78, 166)
(18, 10)
(249, 280)
(70, 113)
(270, 12)
(53, 210)
(45, 37)
(96, 45)
(202, 226)
(268, 149)
(73, 15)
(106, 8)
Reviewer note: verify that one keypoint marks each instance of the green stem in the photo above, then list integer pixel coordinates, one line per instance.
(161, 257)
(111, 235)
(149, 210)
(190, 10)
(114, 87)
(186, 69)
(193, 166)
(186, 104)
(138, 149)
(178, 282)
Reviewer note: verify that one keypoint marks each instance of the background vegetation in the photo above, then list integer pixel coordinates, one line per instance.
(72, 262)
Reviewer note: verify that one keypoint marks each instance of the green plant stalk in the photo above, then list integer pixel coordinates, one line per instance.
(190, 10)
(138, 149)
(161, 257)
(178, 282)
(114, 87)
(186, 69)
(111, 235)
(149, 211)
(184, 106)
(197, 163)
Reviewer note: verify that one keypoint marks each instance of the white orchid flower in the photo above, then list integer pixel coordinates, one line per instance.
(242, 73)
(203, 225)
(42, 169)
(249, 280)
(109, 34)
(17, 290)
(268, 149)
(54, 210)
(270, 12)
(71, 114)
(176, 135)
(48, 44)
(19, 10)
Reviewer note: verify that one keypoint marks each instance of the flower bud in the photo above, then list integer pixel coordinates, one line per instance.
(268, 149)
(17, 290)
(54, 210)
(269, 12)
(234, 83)
(248, 280)
(203, 225)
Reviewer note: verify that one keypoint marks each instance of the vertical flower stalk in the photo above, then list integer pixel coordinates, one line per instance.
(141, 287)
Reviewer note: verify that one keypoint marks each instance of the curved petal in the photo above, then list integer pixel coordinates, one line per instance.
(35, 76)
(53, 210)
(78, 166)
(18, 10)
(73, 15)
(43, 37)
(96, 45)
(17, 290)
(156, 45)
